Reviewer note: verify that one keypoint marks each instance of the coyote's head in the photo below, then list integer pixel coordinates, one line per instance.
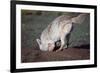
(46, 45)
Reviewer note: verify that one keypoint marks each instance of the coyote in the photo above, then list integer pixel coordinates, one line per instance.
(58, 30)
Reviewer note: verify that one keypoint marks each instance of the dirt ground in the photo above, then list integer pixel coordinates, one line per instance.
(32, 55)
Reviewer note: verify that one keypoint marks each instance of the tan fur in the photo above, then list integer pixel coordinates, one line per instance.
(58, 30)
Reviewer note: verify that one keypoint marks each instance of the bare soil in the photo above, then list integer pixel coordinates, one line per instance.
(32, 55)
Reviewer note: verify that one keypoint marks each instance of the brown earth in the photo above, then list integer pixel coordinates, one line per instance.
(32, 55)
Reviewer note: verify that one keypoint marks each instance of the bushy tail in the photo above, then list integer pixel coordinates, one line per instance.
(79, 19)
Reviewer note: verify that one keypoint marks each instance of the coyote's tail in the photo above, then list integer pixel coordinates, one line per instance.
(79, 19)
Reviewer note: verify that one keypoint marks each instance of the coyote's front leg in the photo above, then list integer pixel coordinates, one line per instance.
(62, 43)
